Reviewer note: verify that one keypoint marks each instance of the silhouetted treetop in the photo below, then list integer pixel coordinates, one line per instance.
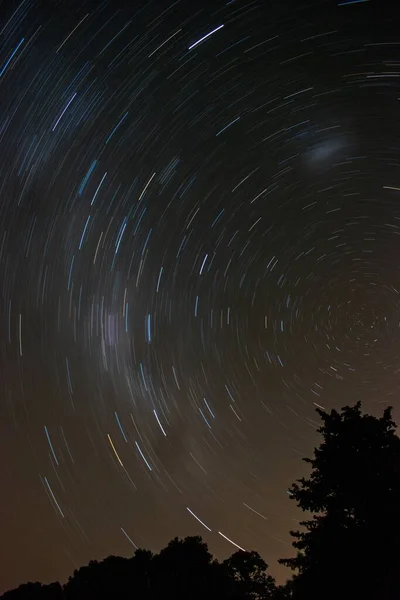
(35, 591)
(183, 570)
(358, 452)
(353, 492)
(248, 571)
(348, 549)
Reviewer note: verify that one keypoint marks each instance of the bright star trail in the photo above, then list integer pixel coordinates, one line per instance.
(199, 241)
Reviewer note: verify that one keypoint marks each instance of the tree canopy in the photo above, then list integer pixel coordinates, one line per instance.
(183, 569)
(348, 547)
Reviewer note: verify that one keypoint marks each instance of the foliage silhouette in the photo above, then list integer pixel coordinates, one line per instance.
(183, 569)
(350, 547)
(35, 591)
(108, 578)
(248, 572)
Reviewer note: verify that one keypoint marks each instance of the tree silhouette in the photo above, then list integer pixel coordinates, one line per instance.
(183, 569)
(141, 573)
(108, 577)
(35, 591)
(114, 577)
(248, 572)
(350, 548)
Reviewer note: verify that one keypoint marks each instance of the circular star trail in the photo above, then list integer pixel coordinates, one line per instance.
(198, 245)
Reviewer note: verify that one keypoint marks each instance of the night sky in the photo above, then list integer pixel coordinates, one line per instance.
(199, 244)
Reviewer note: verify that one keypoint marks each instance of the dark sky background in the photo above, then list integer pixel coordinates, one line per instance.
(199, 243)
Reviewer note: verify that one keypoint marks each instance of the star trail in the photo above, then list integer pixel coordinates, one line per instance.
(199, 231)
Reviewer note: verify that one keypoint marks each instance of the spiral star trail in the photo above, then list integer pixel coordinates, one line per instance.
(199, 234)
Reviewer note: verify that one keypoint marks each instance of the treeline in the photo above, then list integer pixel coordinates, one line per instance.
(184, 569)
(347, 548)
